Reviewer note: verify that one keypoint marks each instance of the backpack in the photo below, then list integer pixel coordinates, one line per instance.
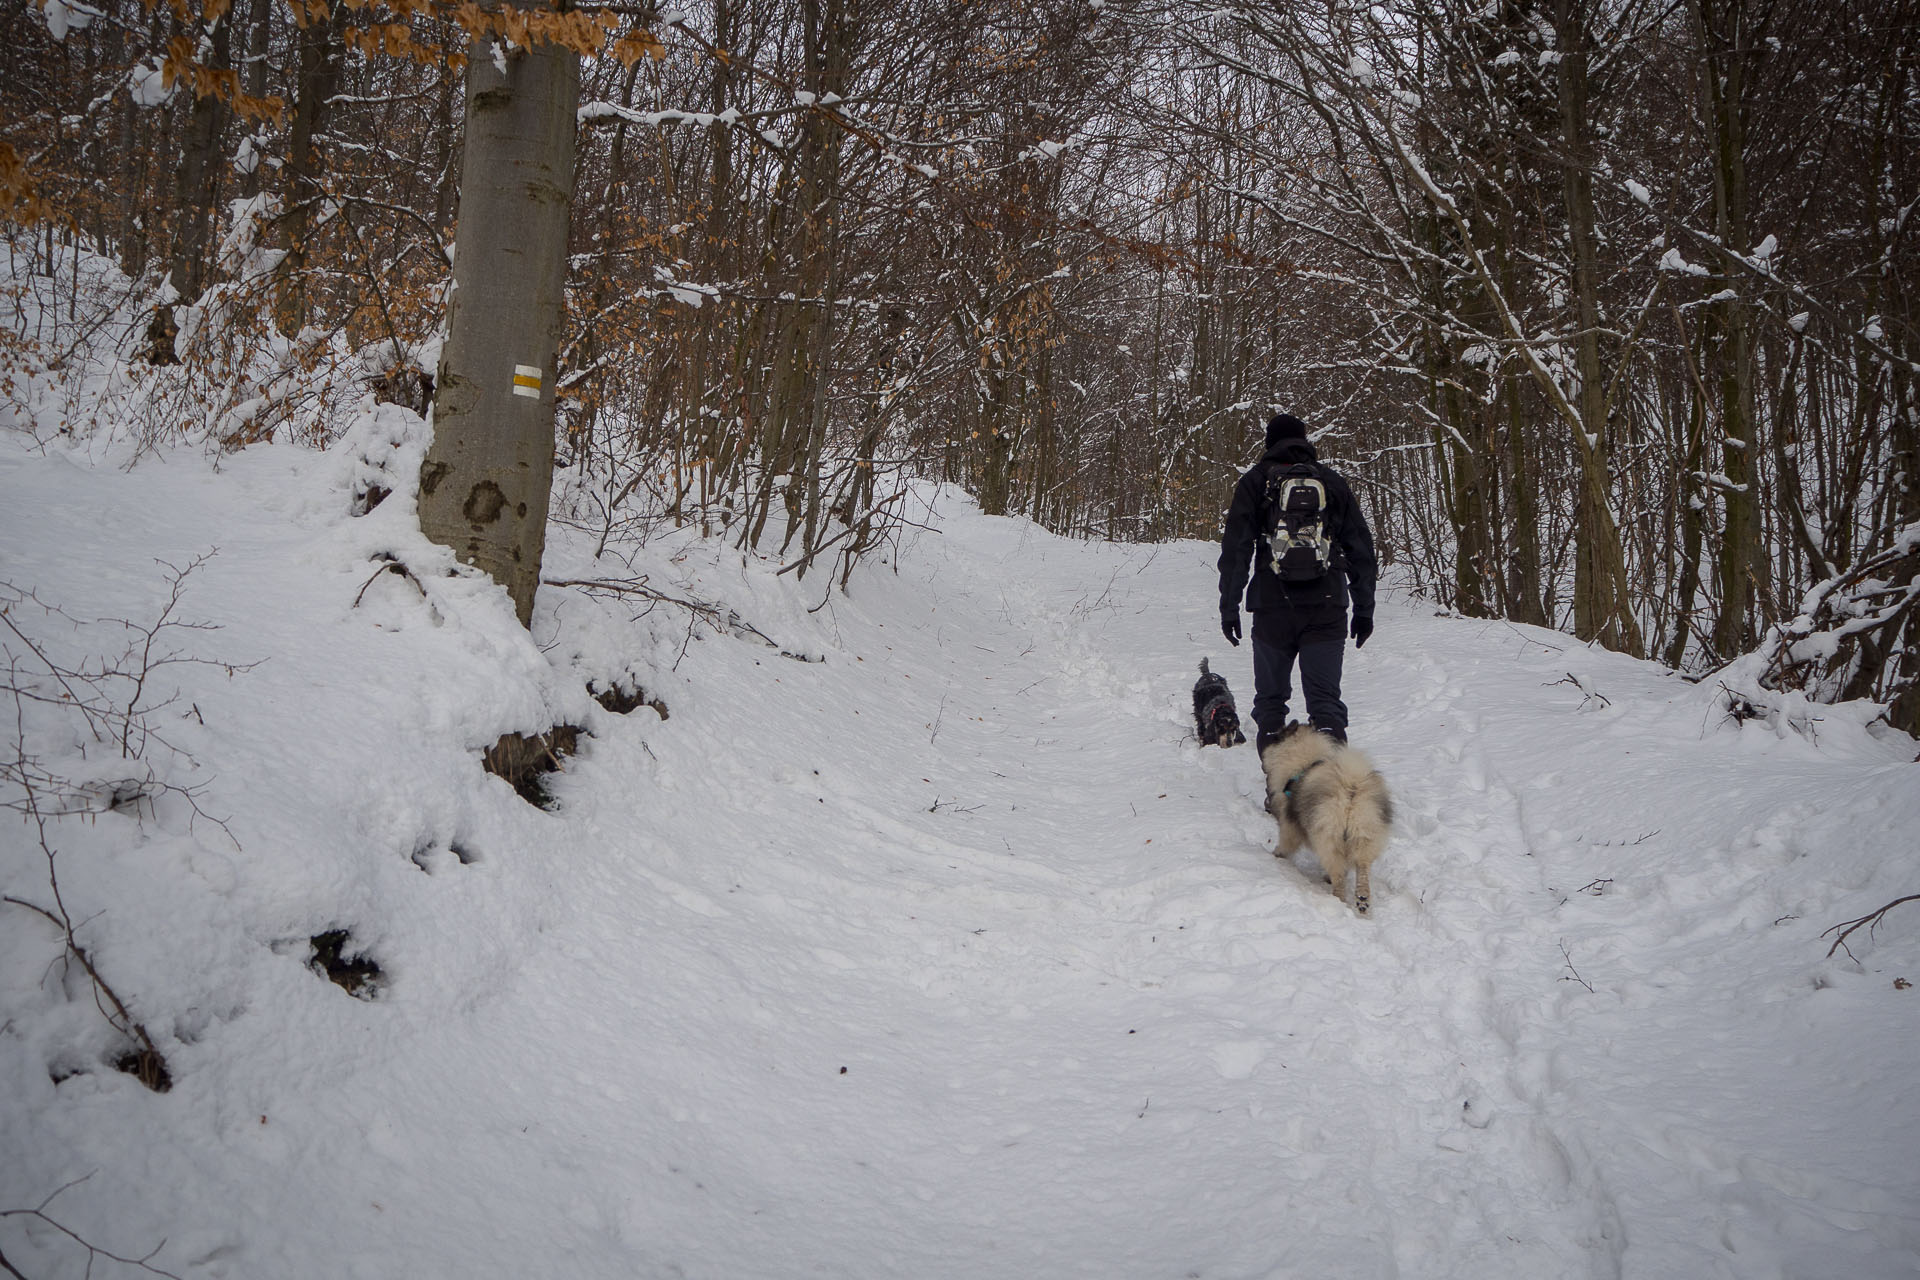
(1296, 524)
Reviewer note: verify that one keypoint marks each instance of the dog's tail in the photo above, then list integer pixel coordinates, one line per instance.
(1352, 819)
(1203, 668)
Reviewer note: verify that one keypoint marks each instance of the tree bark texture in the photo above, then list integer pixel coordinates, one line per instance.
(1602, 602)
(198, 180)
(315, 84)
(488, 474)
(1722, 34)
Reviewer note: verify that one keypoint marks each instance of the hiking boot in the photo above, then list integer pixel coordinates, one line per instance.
(1338, 735)
(1264, 739)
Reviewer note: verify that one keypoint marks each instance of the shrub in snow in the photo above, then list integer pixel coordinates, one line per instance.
(85, 744)
(1819, 655)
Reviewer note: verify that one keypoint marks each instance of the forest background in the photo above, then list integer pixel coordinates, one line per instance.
(1606, 306)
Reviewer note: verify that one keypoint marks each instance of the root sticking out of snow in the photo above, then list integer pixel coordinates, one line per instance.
(146, 1066)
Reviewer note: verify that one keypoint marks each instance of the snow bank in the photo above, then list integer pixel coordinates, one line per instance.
(918, 937)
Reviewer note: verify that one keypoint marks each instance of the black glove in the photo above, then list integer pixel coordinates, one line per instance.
(1362, 628)
(1230, 627)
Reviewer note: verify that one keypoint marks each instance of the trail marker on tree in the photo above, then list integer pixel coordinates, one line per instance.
(487, 476)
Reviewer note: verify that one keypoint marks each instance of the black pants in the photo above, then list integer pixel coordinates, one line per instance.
(1319, 641)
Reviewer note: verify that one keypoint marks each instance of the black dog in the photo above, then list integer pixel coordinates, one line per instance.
(1214, 716)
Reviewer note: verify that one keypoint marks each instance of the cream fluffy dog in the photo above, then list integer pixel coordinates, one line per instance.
(1330, 798)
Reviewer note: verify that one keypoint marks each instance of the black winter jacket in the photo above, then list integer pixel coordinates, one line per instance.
(1353, 570)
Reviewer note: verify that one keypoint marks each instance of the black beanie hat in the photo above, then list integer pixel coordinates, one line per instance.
(1284, 426)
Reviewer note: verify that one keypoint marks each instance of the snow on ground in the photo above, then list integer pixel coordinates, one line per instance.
(925, 942)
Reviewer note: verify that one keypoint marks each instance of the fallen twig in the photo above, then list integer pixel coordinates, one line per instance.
(93, 1250)
(150, 1068)
(391, 566)
(1581, 685)
(1871, 920)
(727, 621)
(1572, 974)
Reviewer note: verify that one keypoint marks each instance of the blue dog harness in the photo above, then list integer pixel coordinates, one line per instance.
(1287, 790)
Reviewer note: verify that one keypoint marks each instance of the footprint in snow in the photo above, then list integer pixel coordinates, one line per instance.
(1236, 1059)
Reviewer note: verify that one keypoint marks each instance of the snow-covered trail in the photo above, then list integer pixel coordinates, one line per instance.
(1075, 1001)
(952, 954)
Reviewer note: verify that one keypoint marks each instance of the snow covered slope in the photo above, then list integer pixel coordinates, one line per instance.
(925, 941)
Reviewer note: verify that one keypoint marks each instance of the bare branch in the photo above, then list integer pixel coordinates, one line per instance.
(1870, 921)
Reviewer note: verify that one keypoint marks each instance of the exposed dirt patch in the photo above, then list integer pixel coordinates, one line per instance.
(525, 762)
(336, 958)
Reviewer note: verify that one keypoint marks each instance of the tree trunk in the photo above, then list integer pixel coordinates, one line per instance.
(1467, 505)
(1524, 591)
(1724, 71)
(996, 433)
(1693, 501)
(489, 472)
(318, 74)
(198, 191)
(253, 78)
(1602, 604)
(1904, 637)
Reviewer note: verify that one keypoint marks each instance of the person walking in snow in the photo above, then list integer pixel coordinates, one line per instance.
(1296, 520)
